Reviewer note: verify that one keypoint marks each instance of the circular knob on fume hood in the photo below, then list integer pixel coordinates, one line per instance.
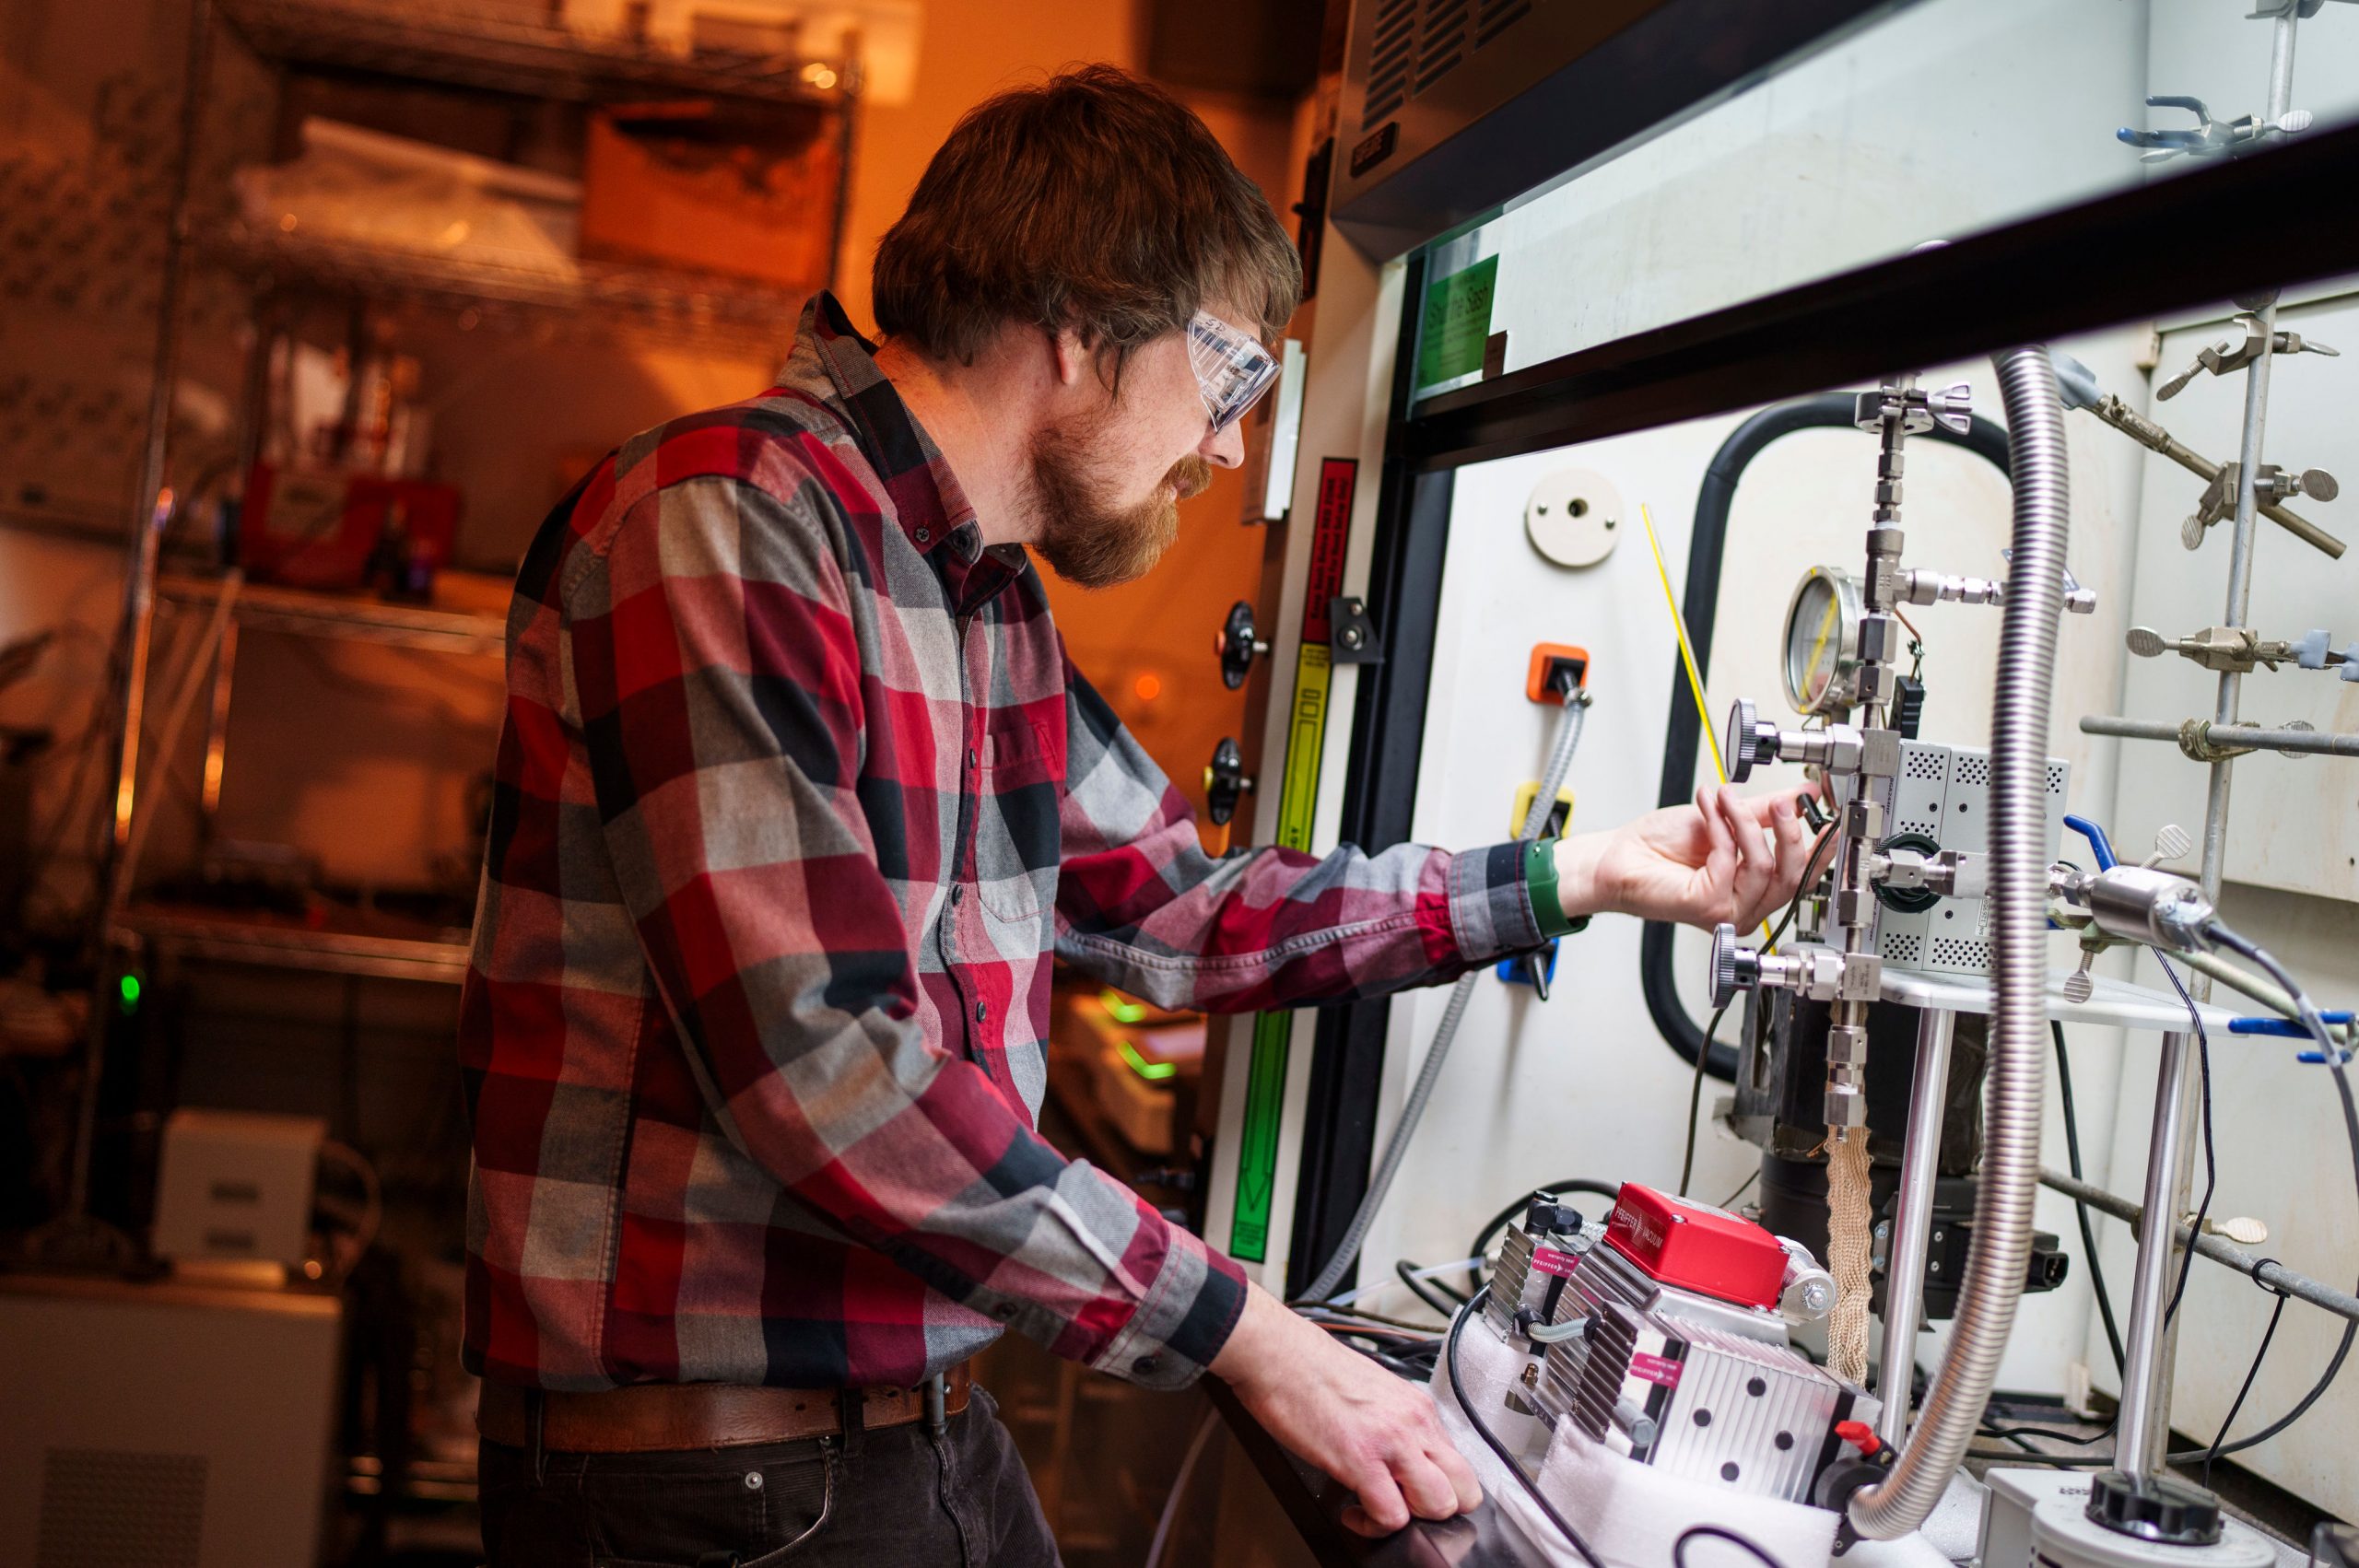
(1239, 643)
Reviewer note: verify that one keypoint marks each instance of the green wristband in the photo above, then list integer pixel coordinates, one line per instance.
(1540, 877)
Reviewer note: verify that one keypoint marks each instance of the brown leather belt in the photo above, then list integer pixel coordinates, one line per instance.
(653, 1417)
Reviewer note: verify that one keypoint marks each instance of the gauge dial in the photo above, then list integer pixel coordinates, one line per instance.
(1822, 643)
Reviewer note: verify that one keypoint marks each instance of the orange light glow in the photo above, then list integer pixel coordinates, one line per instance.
(1148, 687)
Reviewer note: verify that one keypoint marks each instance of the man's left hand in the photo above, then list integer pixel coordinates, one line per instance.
(1726, 858)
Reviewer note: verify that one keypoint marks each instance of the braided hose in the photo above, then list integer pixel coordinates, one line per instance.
(2000, 1251)
(1412, 1110)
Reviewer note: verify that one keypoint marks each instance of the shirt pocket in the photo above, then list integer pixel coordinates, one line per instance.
(1016, 834)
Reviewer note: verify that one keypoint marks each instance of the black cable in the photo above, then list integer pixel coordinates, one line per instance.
(2251, 1373)
(1501, 1219)
(2081, 1210)
(1719, 1532)
(1490, 1440)
(2350, 1329)
(1426, 1290)
(1695, 1099)
(1742, 1191)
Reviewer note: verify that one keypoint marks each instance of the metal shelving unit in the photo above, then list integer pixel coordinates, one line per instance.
(597, 298)
(511, 52)
(479, 48)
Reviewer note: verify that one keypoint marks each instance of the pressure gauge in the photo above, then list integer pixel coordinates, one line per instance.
(1822, 643)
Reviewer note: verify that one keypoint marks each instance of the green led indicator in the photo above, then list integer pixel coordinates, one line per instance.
(1120, 1008)
(130, 989)
(1152, 1071)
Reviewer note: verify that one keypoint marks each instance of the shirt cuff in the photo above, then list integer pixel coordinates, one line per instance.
(1188, 1315)
(1540, 876)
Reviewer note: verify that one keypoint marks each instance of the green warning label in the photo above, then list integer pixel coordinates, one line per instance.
(1457, 322)
(1257, 1156)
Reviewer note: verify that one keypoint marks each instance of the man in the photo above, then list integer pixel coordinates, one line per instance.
(798, 797)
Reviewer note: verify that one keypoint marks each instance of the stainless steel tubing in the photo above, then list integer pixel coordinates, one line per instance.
(2145, 1370)
(2264, 1271)
(2002, 1208)
(1912, 1220)
(2318, 742)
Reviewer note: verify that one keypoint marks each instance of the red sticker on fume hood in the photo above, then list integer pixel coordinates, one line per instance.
(1330, 533)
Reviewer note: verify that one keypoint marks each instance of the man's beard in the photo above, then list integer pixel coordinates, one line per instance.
(1087, 538)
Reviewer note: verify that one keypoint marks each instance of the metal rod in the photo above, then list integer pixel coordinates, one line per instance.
(1912, 1220)
(2317, 742)
(2266, 1271)
(2154, 439)
(2145, 1374)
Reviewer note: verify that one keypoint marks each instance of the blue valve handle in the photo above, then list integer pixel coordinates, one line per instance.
(2285, 1028)
(2098, 842)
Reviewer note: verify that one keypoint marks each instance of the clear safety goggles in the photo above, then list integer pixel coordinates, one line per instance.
(1232, 369)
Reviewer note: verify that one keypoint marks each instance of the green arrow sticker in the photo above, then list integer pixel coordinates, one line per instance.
(1257, 1155)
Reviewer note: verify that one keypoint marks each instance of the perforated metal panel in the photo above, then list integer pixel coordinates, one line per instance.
(1943, 793)
(102, 1508)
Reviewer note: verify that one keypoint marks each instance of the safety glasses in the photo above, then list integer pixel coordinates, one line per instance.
(1232, 369)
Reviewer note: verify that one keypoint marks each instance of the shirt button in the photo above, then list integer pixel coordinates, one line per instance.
(982, 1011)
(924, 535)
(957, 893)
(1146, 1366)
(971, 759)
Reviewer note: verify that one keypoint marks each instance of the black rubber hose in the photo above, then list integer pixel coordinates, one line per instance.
(1707, 543)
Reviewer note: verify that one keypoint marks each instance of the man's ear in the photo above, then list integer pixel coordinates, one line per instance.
(1069, 357)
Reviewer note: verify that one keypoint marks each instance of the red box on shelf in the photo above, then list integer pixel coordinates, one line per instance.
(1700, 1250)
(321, 528)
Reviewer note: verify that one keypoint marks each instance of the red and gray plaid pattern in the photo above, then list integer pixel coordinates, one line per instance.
(798, 794)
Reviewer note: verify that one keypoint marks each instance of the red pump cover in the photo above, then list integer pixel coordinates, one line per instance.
(1706, 1250)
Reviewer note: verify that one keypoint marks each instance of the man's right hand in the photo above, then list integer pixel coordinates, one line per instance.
(1355, 1421)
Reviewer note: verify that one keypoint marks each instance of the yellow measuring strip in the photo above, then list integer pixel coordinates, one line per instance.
(1687, 653)
(1687, 658)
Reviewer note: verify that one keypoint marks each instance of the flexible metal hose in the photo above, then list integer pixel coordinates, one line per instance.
(2010, 1178)
(1551, 780)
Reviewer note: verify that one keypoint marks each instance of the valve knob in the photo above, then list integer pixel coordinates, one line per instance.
(1239, 644)
(1224, 781)
(1749, 741)
(1733, 969)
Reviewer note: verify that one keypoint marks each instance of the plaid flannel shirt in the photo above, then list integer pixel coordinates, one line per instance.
(798, 794)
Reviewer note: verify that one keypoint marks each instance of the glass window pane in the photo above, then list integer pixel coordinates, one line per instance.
(1949, 118)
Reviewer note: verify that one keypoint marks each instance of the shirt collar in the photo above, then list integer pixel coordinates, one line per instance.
(833, 362)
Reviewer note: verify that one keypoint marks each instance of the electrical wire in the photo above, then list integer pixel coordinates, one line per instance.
(2079, 1209)
(2234, 942)
(372, 1213)
(1491, 1441)
(1719, 1532)
(1500, 1220)
(1178, 1489)
(1436, 1294)
(2237, 1405)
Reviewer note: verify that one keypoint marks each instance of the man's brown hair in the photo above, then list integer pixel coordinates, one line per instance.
(1094, 201)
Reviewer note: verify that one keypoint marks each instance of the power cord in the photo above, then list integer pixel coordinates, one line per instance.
(1491, 1441)
(1500, 1220)
(1719, 1532)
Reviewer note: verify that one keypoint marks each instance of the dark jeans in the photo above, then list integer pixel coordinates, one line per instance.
(875, 1500)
